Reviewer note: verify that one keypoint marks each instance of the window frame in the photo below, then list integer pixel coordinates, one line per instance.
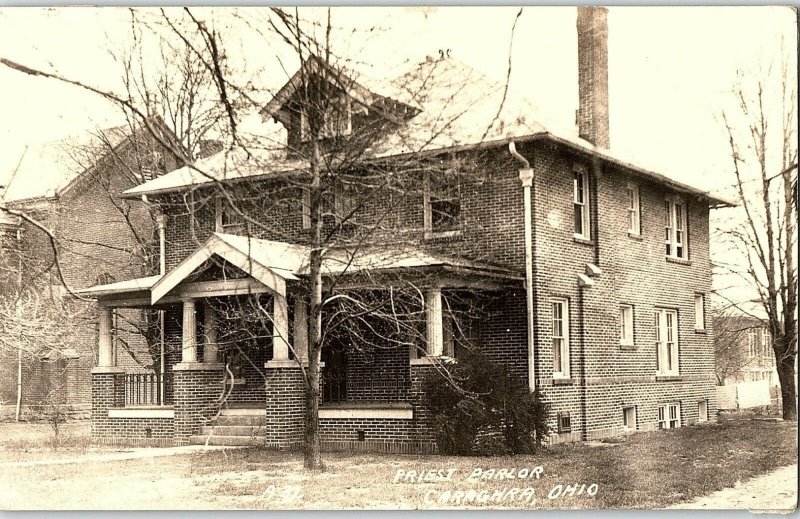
(584, 203)
(628, 428)
(665, 415)
(666, 335)
(564, 337)
(429, 200)
(634, 210)
(220, 209)
(700, 318)
(630, 338)
(327, 131)
(676, 229)
(752, 344)
(702, 411)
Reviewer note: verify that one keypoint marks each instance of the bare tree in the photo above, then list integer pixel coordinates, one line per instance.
(332, 158)
(762, 135)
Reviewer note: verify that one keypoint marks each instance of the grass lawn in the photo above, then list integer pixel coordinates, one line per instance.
(647, 470)
(36, 441)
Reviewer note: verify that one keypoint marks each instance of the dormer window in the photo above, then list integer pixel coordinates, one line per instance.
(337, 120)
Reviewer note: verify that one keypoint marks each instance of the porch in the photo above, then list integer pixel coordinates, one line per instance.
(212, 364)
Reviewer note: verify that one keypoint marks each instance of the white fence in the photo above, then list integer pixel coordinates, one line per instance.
(744, 395)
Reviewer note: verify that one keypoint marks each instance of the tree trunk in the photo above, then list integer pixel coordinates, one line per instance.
(19, 385)
(312, 454)
(785, 368)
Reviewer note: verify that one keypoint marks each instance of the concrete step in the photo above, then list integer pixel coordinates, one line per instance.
(234, 430)
(251, 420)
(243, 411)
(233, 441)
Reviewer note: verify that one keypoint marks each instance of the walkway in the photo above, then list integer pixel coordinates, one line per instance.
(774, 492)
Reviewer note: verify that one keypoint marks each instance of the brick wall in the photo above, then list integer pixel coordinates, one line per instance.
(285, 407)
(198, 395)
(605, 377)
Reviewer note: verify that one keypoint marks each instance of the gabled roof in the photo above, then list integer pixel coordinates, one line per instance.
(273, 263)
(48, 168)
(459, 109)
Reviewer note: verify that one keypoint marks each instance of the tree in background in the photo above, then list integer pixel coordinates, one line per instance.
(762, 134)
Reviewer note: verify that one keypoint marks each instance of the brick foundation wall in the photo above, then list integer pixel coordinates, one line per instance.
(198, 393)
(285, 406)
(108, 392)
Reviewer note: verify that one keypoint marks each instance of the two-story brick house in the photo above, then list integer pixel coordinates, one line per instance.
(71, 187)
(596, 271)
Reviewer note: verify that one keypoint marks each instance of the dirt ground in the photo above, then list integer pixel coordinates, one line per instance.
(775, 492)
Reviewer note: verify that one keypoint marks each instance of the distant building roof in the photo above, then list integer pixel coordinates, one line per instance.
(46, 169)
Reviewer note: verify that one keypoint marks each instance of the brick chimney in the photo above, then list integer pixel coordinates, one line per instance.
(592, 116)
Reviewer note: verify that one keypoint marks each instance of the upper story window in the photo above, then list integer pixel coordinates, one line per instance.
(699, 312)
(340, 204)
(752, 344)
(580, 202)
(667, 341)
(560, 322)
(675, 228)
(442, 205)
(626, 325)
(634, 211)
(228, 220)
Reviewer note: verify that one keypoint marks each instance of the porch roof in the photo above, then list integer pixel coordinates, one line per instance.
(272, 263)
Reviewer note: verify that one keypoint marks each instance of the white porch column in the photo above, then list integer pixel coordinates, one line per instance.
(300, 329)
(189, 353)
(433, 317)
(280, 328)
(210, 332)
(105, 357)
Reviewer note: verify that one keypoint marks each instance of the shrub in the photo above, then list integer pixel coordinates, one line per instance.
(482, 409)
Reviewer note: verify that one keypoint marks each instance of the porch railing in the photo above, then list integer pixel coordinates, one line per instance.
(147, 389)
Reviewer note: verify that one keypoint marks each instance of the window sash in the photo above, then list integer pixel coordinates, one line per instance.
(580, 201)
(669, 416)
(560, 338)
(699, 312)
(442, 207)
(626, 337)
(675, 228)
(667, 342)
(634, 213)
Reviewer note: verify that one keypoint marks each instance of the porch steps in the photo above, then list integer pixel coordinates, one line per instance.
(234, 427)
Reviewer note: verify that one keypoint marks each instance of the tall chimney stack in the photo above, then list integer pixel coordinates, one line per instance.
(592, 115)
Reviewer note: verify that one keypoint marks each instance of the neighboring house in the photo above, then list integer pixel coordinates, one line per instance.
(72, 188)
(744, 351)
(596, 272)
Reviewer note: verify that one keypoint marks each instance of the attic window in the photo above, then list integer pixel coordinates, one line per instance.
(442, 205)
(337, 120)
(153, 166)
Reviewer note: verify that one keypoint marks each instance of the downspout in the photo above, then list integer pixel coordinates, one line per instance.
(582, 341)
(526, 176)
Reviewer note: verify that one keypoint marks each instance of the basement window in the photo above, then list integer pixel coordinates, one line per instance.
(669, 416)
(564, 422)
(702, 411)
(629, 419)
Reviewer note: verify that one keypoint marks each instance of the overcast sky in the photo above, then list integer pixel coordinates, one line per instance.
(670, 68)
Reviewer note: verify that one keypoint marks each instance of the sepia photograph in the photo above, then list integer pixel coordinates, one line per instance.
(398, 258)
